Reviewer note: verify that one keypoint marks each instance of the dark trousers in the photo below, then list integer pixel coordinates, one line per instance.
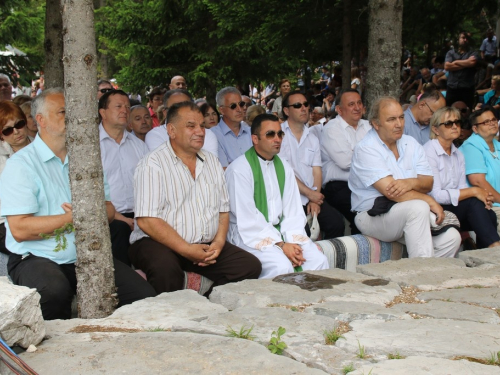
(331, 222)
(3, 232)
(473, 216)
(464, 95)
(120, 238)
(56, 283)
(165, 268)
(338, 195)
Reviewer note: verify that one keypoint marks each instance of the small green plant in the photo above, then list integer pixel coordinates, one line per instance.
(361, 353)
(395, 356)
(348, 368)
(60, 236)
(244, 333)
(276, 346)
(157, 329)
(493, 359)
(332, 336)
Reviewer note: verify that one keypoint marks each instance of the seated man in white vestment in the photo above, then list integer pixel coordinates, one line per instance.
(266, 216)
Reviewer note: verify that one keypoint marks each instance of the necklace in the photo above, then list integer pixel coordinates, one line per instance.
(494, 154)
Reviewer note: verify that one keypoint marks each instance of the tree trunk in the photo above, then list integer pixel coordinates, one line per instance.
(346, 46)
(53, 45)
(94, 267)
(384, 49)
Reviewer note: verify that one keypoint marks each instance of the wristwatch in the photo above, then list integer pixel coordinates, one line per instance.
(280, 244)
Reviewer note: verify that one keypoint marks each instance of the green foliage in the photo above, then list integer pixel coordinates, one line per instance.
(276, 346)
(395, 356)
(493, 359)
(348, 368)
(244, 333)
(332, 336)
(361, 351)
(60, 236)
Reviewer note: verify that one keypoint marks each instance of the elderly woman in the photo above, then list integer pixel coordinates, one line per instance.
(13, 137)
(471, 205)
(481, 151)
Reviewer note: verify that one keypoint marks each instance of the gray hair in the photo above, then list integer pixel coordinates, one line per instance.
(319, 110)
(377, 106)
(5, 76)
(133, 108)
(219, 98)
(38, 105)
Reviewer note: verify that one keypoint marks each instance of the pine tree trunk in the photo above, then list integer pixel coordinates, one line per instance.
(94, 267)
(346, 46)
(384, 49)
(53, 45)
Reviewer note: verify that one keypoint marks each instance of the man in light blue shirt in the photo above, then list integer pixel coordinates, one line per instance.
(389, 179)
(233, 134)
(36, 198)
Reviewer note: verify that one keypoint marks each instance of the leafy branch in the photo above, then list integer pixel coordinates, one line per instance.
(59, 235)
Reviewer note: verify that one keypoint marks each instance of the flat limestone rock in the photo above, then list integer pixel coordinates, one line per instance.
(450, 310)
(349, 311)
(425, 366)
(487, 297)
(422, 337)
(346, 286)
(158, 353)
(21, 321)
(433, 273)
(474, 258)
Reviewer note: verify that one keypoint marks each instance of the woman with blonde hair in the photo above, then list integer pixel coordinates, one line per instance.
(252, 112)
(285, 88)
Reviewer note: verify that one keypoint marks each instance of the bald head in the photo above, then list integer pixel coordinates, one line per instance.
(178, 82)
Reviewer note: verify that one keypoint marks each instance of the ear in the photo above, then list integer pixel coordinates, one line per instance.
(474, 128)
(39, 120)
(171, 130)
(434, 130)
(102, 112)
(286, 111)
(375, 124)
(255, 139)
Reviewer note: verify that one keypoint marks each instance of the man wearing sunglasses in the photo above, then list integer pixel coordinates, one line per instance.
(301, 149)
(418, 117)
(267, 218)
(103, 86)
(232, 132)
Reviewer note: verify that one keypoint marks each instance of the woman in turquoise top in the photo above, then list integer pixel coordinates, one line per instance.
(492, 97)
(482, 155)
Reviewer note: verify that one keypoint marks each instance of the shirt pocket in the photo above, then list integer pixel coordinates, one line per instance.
(308, 157)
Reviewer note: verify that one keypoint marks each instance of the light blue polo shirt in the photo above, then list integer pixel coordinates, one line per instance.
(232, 146)
(35, 181)
(372, 160)
(412, 128)
(478, 159)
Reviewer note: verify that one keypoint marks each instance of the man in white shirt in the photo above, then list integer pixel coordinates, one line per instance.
(301, 149)
(267, 218)
(159, 135)
(339, 137)
(182, 210)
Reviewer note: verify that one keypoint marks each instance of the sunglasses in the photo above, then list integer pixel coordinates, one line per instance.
(19, 125)
(271, 134)
(234, 105)
(299, 105)
(449, 124)
(104, 91)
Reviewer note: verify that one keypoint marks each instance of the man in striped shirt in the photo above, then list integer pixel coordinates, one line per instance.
(181, 208)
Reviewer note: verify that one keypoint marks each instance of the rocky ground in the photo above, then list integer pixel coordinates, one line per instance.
(413, 316)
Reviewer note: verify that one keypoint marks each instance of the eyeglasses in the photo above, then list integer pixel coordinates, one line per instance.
(271, 134)
(19, 125)
(299, 105)
(430, 109)
(491, 121)
(234, 105)
(104, 91)
(449, 124)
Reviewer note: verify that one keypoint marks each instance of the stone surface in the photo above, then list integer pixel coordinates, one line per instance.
(487, 297)
(433, 273)
(348, 311)
(158, 353)
(426, 337)
(426, 366)
(263, 293)
(450, 310)
(21, 321)
(474, 258)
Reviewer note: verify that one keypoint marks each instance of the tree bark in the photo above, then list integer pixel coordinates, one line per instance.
(346, 46)
(53, 45)
(384, 49)
(96, 290)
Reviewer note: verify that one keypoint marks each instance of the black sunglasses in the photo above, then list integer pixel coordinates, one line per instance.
(299, 105)
(449, 124)
(19, 125)
(271, 134)
(104, 91)
(234, 105)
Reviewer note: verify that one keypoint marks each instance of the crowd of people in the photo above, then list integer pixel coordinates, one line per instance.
(225, 186)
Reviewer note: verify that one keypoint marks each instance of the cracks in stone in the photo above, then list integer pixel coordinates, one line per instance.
(408, 295)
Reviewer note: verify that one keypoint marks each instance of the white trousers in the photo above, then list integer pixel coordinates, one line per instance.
(408, 222)
(274, 261)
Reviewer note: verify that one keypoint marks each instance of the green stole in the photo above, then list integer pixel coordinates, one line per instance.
(259, 191)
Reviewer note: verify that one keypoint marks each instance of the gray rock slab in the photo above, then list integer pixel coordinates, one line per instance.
(423, 337)
(21, 321)
(349, 311)
(474, 258)
(263, 293)
(433, 273)
(450, 310)
(158, 353)
(487, 297)
(425, 366)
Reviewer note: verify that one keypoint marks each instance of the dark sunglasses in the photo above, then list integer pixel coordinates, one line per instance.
(234, 105)
(19, 125)
(104, 91)
(271, 134)
(449, 124)
(299, 105)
